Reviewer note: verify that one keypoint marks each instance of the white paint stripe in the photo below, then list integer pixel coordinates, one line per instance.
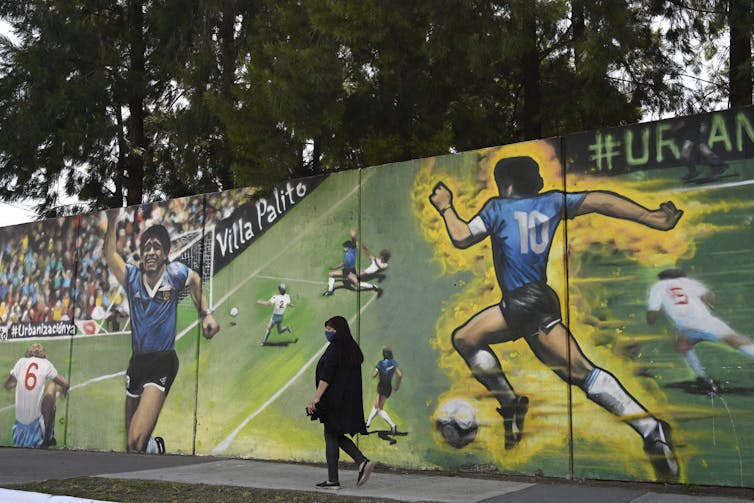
(293, 280)
(716, 186)
(77, 386)
(35, 497)
(223, 446)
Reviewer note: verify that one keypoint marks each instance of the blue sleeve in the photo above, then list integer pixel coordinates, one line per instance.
(179, 273)
(573, 201)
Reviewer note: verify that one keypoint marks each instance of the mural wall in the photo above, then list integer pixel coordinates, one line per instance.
(568, 307)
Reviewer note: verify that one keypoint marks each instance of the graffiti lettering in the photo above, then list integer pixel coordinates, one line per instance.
(729, 134)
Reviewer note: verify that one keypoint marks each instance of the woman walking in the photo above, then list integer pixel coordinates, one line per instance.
(337, 402)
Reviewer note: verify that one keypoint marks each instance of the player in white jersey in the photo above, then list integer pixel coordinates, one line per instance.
(377, 265)
(35, 398)
(686, 302)
(279, 302)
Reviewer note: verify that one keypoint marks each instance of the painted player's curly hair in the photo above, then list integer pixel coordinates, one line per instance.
(387, 353)
(156, 232)
(36, 350)
(522, 173)
(671, 274)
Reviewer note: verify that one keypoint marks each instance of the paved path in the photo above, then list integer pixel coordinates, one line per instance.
(24, 465)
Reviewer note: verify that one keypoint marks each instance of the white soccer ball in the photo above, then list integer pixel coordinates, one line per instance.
(234, 311)
(457, 422)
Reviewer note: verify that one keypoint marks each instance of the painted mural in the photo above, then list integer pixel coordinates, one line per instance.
(568, 307)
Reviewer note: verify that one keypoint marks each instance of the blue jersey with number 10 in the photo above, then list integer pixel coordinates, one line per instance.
(521, 231)
(153, 317)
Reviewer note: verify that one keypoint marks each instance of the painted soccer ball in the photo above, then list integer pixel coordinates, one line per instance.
(234, 311)
(457, 423)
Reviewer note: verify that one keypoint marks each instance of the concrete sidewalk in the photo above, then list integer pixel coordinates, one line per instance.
(23, 465)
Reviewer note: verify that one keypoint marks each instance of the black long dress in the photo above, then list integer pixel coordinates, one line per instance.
(341, 408)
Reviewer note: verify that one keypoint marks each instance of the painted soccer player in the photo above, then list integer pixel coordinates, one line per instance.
(152, 289)
(35, 398)
(521, 223)
(377, 264)
(346, 270)
(385, 370)
(279, 302)
(685, 301)
(694, 149)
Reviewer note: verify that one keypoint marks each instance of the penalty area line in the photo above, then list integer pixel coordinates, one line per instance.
(716, 186)
(223, 446)
(293, 280)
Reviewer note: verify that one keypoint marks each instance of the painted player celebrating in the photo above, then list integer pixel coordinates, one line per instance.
(152, 290)
(685, 301)
(521, 223)
(385, 370)
(35, 398)
(279, 302)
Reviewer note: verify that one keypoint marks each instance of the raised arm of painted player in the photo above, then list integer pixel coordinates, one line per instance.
(264, 303)
(209, 326)
(115, 262)
(458, 229)
(367, 252)
(615, 205)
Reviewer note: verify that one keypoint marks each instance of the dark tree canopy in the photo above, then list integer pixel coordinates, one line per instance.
(123, 102)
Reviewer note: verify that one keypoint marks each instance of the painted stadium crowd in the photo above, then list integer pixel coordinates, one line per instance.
(38, 260)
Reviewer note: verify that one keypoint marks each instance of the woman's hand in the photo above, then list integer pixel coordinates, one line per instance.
(312, 407)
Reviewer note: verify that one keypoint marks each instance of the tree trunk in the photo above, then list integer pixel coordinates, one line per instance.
(228, 69)
(139, 147)
(532, 119)
(740, 70)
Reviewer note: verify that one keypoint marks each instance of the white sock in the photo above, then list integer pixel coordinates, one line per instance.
(748, 349)
(387, 419)
(695, 364)
(603, 388)
(151, 446)
(330, 284)
(371, 416)
(487, 370)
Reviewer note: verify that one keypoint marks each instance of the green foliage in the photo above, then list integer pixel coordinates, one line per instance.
(130, 101)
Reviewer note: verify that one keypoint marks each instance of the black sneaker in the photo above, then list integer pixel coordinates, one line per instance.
(659, 448)
(708, 385)
(717, 171)
(327, 293)
(513, 420)
(692, 173)
(328, 485)
(379, 291)
(364, 472)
